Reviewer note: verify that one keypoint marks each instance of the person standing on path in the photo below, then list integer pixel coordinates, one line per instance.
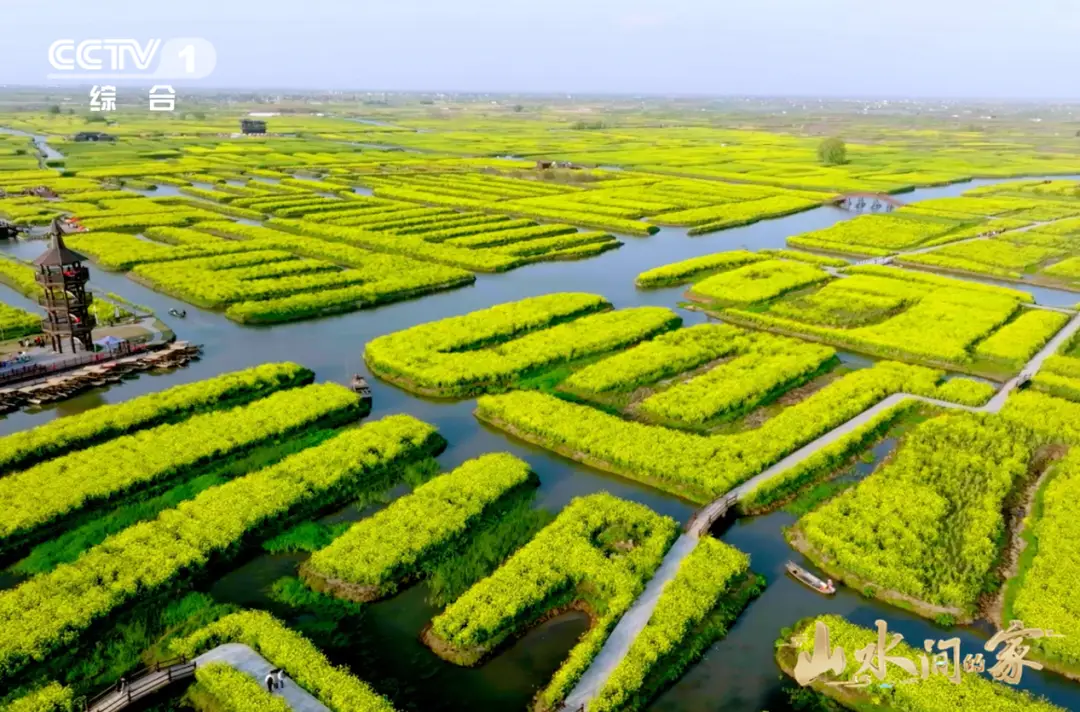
(270, 682)
(279, 675)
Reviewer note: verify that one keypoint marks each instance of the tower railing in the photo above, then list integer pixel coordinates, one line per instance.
(47, 300)
(59, 279)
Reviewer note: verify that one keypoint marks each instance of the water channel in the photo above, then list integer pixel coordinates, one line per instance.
(736, 674)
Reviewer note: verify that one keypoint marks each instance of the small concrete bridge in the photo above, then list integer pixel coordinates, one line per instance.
(704, 518)
(859, 202)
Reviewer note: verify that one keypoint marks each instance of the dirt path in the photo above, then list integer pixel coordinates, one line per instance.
(993, 607)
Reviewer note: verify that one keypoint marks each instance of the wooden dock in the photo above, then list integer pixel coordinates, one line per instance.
(38, 389)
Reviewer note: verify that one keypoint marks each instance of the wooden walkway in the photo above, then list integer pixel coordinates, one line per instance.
(151, 680)
(635, 619)
(141, 685)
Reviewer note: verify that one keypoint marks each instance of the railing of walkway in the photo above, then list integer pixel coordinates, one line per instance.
(711, 513)
(142, 684)
(37, 370)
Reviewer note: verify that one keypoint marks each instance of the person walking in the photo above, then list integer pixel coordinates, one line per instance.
(280, 677)
(270, 682)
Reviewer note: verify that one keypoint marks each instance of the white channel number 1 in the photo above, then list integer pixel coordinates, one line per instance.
(188, 55)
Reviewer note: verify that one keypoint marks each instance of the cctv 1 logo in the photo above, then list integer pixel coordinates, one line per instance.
(179, 58)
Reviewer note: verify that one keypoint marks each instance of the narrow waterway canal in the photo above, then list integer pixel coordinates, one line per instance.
(737, 674)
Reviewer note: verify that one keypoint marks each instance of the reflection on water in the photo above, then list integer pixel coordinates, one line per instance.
(384, 647)
(389, 649)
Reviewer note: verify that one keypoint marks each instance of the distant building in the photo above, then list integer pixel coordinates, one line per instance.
(544, 165)
(252, 126)
(93, 136)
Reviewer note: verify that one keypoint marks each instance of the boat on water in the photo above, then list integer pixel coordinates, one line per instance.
(808, 579)
(360, 386)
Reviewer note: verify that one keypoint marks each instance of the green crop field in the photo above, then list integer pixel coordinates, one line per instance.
(625, 357)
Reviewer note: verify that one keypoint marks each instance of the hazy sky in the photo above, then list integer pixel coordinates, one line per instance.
(926, 48)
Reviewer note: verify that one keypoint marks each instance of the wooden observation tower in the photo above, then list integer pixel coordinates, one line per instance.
(67, 303)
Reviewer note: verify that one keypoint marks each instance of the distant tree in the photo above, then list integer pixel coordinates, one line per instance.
(71, 111)
(832, 151)
(96, 119)
(54, 109)
(199, 115)
(518, 108)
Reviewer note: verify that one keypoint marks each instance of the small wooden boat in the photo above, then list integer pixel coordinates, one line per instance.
(361, 387)
(805, 577)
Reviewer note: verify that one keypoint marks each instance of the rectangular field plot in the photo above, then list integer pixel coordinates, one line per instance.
(1060, 373)
(616, 204)
(699, 466)
(941, 221)
(1039, 256)
(925, 525)
(757, 282)
(739, 384)
(997, 257)
(697, 376)
(875, 234)
(262, 275)
(27, 447)
(392, 547)
(1023, 231)
(491, 349)
(46, 494)
(887, 312)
